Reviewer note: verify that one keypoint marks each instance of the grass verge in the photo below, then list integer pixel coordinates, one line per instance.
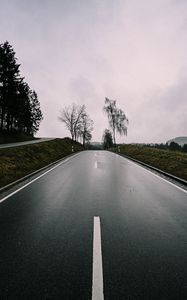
(172, 162)
(17, 162)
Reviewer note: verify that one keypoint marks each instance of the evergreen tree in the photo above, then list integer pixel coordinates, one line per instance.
(36, 114)
(23, 109)
(19, 105)
(9, 80)
(107, 139)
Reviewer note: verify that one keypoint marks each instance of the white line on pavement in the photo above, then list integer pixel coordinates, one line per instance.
(97, 276)
(96, 164)
(22, 187)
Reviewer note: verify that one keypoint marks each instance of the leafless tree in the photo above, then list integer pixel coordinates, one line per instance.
(86, 128)
(68, 116)
(77, 122)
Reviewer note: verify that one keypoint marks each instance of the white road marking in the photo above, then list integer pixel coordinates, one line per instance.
(154, 174)
(97, 275)
(96, 164)
(22, 187)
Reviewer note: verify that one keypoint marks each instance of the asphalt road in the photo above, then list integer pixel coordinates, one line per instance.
(9, 145)
(46, 233)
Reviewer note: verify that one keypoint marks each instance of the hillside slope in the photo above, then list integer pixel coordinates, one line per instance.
(181, 140)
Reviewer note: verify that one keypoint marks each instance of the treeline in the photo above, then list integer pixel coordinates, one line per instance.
(169, 146)
(19, 105)
(80, 126)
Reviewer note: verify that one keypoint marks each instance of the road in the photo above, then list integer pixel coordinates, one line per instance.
(9, 145)
(46, 233)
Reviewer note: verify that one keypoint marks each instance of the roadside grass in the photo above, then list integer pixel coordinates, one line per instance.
(17, 162)
(173, 162)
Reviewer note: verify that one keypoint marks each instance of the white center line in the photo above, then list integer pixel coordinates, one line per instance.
(96, 164)
(97, 276)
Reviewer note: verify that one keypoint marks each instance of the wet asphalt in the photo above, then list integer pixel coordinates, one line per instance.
(46, 233)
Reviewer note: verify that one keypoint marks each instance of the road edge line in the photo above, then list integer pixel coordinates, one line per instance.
(141, 165)
(33, 180)
(13, 183)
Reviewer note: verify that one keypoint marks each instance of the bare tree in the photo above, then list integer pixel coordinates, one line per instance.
(80, 111)
(68, 116)
(116, 117)
(86, 128)
(77, 122)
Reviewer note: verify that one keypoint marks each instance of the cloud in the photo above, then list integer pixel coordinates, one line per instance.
(163, 115)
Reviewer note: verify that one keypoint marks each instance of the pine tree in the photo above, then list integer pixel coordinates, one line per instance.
(9, 80)
(36, 114)
(107, 139)
(19, 105)
(23, 111)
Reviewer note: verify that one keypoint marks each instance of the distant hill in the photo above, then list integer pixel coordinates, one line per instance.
(179, 140)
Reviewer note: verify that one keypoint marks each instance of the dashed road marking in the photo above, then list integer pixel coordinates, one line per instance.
(97, 276)
(96, 164)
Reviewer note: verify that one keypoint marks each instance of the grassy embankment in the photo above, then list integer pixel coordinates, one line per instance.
(17, 162)
(172, 162)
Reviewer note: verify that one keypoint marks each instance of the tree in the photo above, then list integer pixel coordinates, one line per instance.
(9, 80)
(86, 127)
(116, 117)
(23, 114)
(174, 146)
(77, 122)
(184, 148)
(71, 116)
(36, 114)
(79, 113)
(107, 139)
(19, 105)
(68, 116)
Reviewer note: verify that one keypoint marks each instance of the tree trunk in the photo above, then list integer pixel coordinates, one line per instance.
(2, 119)
(114, 133)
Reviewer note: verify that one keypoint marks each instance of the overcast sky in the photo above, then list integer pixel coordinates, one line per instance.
(82, 51)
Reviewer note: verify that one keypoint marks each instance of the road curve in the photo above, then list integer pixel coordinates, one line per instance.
(46, 233)
(9, 145)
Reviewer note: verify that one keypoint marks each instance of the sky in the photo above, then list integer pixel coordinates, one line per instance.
(81, 51)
